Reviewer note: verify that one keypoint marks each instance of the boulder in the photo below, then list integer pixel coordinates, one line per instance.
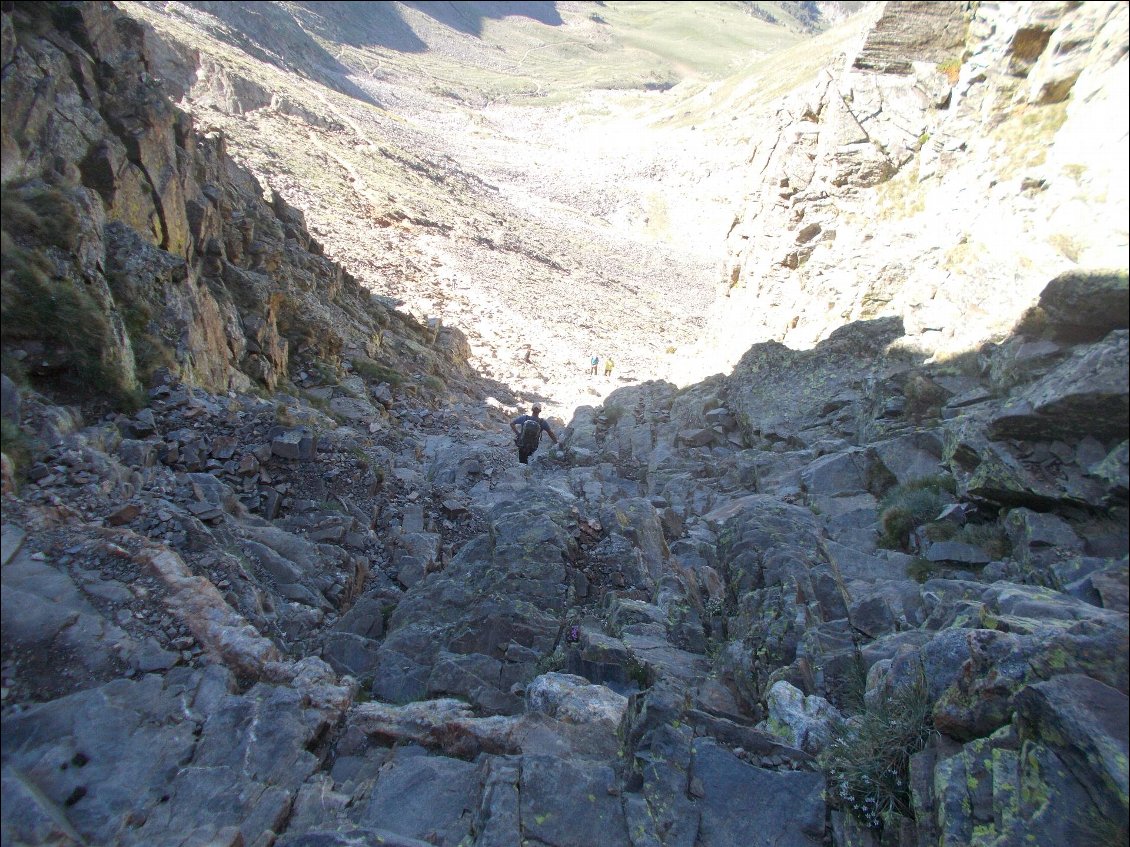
(1085, 395)
(1085, 722)
(1083, 305)
(804, 722)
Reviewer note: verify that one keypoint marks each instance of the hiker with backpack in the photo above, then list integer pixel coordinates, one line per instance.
(527, 433)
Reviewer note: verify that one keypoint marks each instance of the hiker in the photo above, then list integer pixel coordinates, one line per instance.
(527, 433)
(593, 362)
(608, 366)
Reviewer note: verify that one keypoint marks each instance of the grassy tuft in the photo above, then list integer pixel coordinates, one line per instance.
(868, 761)
(924, 398)
(921, 570)
(912, 505)
(1022, 140)
(376, 372)
(42, 213)
(151, 351)
(13, 368)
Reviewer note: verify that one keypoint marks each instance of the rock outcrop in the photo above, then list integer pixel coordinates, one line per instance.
(942, 175)
(839, 595)
(156, 238)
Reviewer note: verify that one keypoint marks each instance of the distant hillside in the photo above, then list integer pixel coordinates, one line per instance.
(507, 168)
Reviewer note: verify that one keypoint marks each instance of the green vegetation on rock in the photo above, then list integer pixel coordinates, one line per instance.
(868, 760)
(912, 505)
(43, 304)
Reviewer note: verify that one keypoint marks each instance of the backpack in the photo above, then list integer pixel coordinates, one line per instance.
(530, 434)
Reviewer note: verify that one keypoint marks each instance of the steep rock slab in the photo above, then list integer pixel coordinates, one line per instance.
(571, 804)
(424, 797)
(133, 763)
(1008, 788)
(1086, 722)
(502, 590)
(775, 390)
(746, 806)
(1086, 395)
(913, 32)
(188, 265)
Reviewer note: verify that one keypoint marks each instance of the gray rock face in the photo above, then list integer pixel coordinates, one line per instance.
(646, 640)
(1083, 306)
(1086, 395)
(913, 32)
(1090, 714)
(779, 808)
(421, 796)
(776, 389)
(154, 726)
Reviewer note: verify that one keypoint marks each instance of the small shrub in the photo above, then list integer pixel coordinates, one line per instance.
(37, 305)
(376, 372)
(878, 480)
(13, 368)
(551, 662)
(924, 398)
(283, 416)
(434, 384)
(613, 413)
(965, 363)
(1075, 171)
(868, 760)
(902, 196)
(363, 459)
(1022, 141)
(921, 569)
(14, 444)
(638, 673)
(41, 213)
(990, 537)
(1033, 323)
(912, 505)
(326, 372)
(846, 690)
(1069, 246)
(319, 403)
(950, 69)
(151, 351)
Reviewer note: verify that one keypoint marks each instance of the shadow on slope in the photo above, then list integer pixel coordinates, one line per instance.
(382, 24)
(270, 33)
(360, 25)
(469, 17)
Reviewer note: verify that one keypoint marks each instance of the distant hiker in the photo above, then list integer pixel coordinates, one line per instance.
(593, 362)
(527, 433)
(608, 366)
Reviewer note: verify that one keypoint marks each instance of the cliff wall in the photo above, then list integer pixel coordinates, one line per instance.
(963, 157)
